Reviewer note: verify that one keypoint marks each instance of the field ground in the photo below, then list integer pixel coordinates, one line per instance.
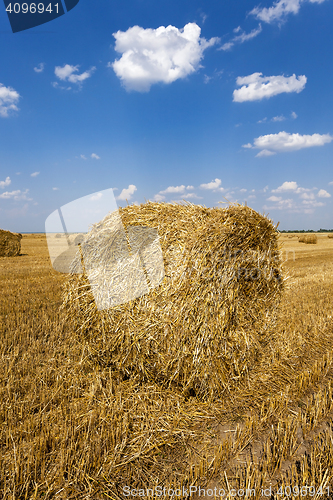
(68, 430)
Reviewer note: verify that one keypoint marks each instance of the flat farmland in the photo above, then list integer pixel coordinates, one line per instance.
(69, 430)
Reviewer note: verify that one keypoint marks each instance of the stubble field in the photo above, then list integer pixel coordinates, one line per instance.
(68, 431)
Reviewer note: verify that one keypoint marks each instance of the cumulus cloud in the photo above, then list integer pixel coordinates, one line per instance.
(68, 73)
(211, 185)
(8, 100)
(157, 55)
(39, 68)
(127, 193)
(293, 115)
(286, 186)
(159, 197)
(173, 189)
(256, 87)
(307, 196)
(284, 142)
(279, 10)
(274, 198)
(243, 37)
(96, 157)
(15, 195)
(34, 174)
(5, 183)
(323, 194)
(83, 157)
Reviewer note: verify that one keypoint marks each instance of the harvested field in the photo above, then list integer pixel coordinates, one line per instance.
(10, 244)
(72, 429)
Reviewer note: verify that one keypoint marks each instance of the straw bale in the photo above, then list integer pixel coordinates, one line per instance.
(330, 235)
(10, 243)
(204, 319)
(311, 239)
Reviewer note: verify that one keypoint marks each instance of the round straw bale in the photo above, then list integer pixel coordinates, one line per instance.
(330, 235)
(311, 239)
(204, 322)
(10, 244)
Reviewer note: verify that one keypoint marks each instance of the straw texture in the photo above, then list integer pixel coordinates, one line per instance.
(10, 244)
(202, 321)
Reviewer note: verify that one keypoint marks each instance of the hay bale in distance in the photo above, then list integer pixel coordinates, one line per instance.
(199, 330)
(10, 243)
(330, 235)
(311, 239)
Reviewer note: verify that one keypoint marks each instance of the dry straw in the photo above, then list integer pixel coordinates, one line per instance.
(330, 235)
(213, 312)
(10, 244)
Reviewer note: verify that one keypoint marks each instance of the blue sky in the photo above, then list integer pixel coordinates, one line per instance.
(204, 101)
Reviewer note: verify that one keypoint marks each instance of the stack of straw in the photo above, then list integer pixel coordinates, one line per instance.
(10, 244)
(210, 316)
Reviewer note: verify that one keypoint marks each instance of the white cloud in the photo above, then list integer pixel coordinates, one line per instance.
(96, 197)
(96, 157)
(192, 195)
(330, 183)
(5, 183)
(307, 196)
(293, 115)
(279, 118)
(274, 198)
(127, 193)
(173, 189)
(55, 189)
(68, 73)
(263, 120)
(158, 55)
(83, 157)
(265, 152)
(242, 190)
(286, 186)
(323, 194)
(283, 142)
(34, 174)
(313, 203)
(39, 68)
(15, 195)
(243, 37)
(159, 197)
(279, 10)
(256, 87)
(8, 100)
(211, 185)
